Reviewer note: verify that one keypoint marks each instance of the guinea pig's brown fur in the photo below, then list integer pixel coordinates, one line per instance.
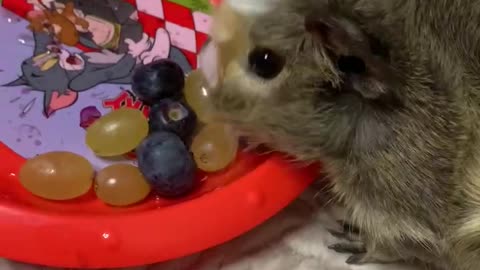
(386, 93)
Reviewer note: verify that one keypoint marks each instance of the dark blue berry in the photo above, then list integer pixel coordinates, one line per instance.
(173, 116)
(158, 80)
(166, 164)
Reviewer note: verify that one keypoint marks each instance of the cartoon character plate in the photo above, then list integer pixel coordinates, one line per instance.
(52, 92)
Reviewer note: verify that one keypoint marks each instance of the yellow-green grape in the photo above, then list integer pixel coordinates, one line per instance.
(225, 23)
(196, 94)
(121, 185)
(230, 32)
(214, 147)
(231, 51)
(57, 175)
(117, 133)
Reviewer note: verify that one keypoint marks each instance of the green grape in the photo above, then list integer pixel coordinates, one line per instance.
(57, 175)
(117, 133)
(196, 95)
(214, 147)
(230, 32)
(121, 185)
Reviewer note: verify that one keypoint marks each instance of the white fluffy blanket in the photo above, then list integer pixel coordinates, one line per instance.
(295, 239)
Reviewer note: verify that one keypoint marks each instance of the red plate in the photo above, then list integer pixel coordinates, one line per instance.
(87, 234)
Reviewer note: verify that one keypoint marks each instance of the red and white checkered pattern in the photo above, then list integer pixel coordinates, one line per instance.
(188, 29)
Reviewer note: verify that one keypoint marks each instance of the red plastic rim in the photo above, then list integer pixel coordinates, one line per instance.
(90, 240)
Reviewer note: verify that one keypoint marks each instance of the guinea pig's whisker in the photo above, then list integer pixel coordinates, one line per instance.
(301, 46)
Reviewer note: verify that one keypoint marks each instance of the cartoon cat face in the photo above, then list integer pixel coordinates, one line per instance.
(44, 73)
(52, 70)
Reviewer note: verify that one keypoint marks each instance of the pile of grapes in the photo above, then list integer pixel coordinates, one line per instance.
(178, 138)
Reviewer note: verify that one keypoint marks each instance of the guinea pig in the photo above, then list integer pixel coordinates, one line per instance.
(386, 94)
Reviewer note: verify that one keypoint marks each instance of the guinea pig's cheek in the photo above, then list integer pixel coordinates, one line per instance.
(246, 83)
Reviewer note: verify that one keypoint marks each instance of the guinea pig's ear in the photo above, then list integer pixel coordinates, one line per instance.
(361, 60)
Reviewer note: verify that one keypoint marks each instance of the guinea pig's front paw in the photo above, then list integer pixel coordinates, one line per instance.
(361, 255)
(348, 231)
(354, 247)
(352, 244)
(350, 235)
(372, 257)
(368, 258)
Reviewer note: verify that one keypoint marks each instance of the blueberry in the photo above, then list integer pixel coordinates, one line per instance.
(166, 164)
(173, 116)
(158, 80)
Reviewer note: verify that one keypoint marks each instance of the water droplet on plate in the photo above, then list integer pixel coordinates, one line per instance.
(27, 107)
(26, 39)
(9, 16)
(110, 240)
(13, 20)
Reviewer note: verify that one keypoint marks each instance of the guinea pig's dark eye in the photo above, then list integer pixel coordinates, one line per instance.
(351, 64)
(265, 63)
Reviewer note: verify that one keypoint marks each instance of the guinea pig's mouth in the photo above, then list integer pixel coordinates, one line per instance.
(328, 87)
